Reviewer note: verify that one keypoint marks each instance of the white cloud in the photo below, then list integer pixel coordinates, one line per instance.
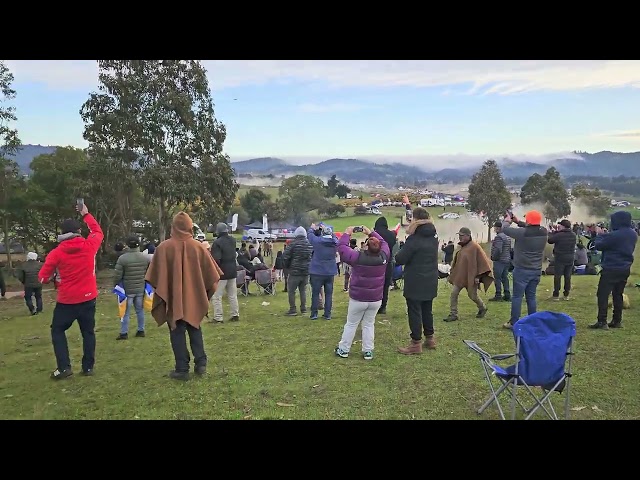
(483, 76)
(426, 162)
(628, 134)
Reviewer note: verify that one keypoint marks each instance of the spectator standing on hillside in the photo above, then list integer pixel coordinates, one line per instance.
(73, 263)
(470, 268)
(448, 250)
(28, 273)
(131, 268)
(184, 277)
(419, 256)
(297, 258)
(224, 253)
(368, 269)
(564, 250)
(382, 228)
(528, 253)
(3, 286)
(617, 249)
(501, 257)
(323, 269)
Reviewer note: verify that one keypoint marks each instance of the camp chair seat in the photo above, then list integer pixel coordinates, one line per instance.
(242, 283)
(265, 282)
(543, 355)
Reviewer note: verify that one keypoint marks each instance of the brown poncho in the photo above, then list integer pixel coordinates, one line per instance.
(470, 262)
(183, 275)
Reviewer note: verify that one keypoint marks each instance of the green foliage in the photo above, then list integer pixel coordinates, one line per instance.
(331, 209)
(301, 194)
(592, 198)
(255, 202)
(531, 191)
(158, 114)
(342, 190)
(488, 193)
(9, 141)
(548, 190)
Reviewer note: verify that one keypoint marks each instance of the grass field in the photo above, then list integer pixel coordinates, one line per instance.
(269, 366)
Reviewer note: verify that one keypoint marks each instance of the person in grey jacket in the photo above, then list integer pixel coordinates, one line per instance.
(501, 257)
(528, 252)
(131, 269)
(27, 273)
(297, 258)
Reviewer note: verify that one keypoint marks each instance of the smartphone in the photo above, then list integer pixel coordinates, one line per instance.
(80, 204)
(358, 229)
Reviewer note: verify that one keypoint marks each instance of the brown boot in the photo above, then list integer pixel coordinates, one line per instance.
(429, 342)
(414, 348)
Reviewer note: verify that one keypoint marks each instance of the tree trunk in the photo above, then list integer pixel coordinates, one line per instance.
(7, 242)
(489, 234)
(162, 231)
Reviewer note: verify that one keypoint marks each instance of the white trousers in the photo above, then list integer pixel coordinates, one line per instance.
(229, 287)
(357, 312)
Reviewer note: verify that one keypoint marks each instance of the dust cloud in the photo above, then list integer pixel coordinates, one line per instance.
(259, 182)
(579, 213)
(448, 228)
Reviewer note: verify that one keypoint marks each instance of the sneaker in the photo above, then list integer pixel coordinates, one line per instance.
(507, 298)
(507, 326)
(341, 353)
(451, 318)
(382, 311)
(87, 373)
(34, 313)
(179, 375)
(123, 336)
(496, 299)
(566, 298)
(314, 316)
(303, 311)
(57, 374)
(599, 325)
(615, 324)
(235, 318)
(140, 333)
(201, 370)
(327, 317)
(291, 313)
(555, 299)
(367, 355)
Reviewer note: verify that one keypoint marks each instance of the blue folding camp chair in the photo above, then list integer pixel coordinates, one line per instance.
(544, 351)
(397, 276)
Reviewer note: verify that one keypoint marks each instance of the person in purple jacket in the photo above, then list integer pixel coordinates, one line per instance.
(368, 270)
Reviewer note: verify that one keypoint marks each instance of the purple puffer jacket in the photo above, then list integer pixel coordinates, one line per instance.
(367, 271)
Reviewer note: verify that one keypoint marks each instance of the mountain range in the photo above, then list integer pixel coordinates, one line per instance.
(602, 164)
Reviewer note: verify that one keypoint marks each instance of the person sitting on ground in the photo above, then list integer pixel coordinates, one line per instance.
(27, 273)
(131, 269)
(469, 269)
(368, 273)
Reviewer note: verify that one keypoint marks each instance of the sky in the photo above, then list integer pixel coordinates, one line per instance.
(412, 111)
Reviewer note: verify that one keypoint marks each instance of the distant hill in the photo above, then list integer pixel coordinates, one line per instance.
(28, 152)
(601, 164)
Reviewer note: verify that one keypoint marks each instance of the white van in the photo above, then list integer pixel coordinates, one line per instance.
(259, 234)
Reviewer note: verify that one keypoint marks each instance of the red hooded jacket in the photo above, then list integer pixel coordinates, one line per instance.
(73, 263)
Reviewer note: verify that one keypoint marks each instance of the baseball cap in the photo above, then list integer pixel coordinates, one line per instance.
(565, 223)
(464, 231)
(533, 217)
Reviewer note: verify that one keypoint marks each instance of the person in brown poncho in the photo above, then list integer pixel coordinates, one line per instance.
(470, 268)
(184, 277)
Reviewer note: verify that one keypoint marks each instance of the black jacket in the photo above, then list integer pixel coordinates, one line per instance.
(297, 257)
(223, 252)
(564, 246)
(448, 250)
(382, 228)
(419, 255)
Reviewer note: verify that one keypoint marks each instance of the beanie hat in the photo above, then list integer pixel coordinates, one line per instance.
(300, 232)
(70, 226)
(533, 217)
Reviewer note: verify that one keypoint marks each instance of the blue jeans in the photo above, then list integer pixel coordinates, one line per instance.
(317, 282)
(137, 301)
(525, 282)
(501, 274)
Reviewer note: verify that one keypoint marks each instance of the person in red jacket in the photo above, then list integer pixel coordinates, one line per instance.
(72, 267)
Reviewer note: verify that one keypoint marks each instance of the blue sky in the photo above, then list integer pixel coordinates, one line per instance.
(417, 112)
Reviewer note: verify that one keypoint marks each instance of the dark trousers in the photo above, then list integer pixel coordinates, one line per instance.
(387, 283)
(562, 271)
(29, 293)
(420, 317)
(3, 286)
(285, 272)
(612, 282)
(321, 282)
(179, 346)
(501, 275)
(63, 317)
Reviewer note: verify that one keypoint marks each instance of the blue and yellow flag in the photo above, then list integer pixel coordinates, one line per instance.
(148, 297)
(122, 300)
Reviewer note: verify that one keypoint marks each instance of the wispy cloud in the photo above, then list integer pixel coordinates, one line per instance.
(627, 134)
(328, 107)
(488, 77)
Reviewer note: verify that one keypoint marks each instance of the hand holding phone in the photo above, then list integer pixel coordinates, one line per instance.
(81, 207)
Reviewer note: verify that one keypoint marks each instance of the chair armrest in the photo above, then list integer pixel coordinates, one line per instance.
(503, 356)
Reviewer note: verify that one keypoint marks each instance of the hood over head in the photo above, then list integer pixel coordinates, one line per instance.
(182, 226)
(620, 219)
(381, 224)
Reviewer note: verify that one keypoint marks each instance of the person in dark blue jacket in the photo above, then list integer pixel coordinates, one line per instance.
(323, 268)
(617, 249)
